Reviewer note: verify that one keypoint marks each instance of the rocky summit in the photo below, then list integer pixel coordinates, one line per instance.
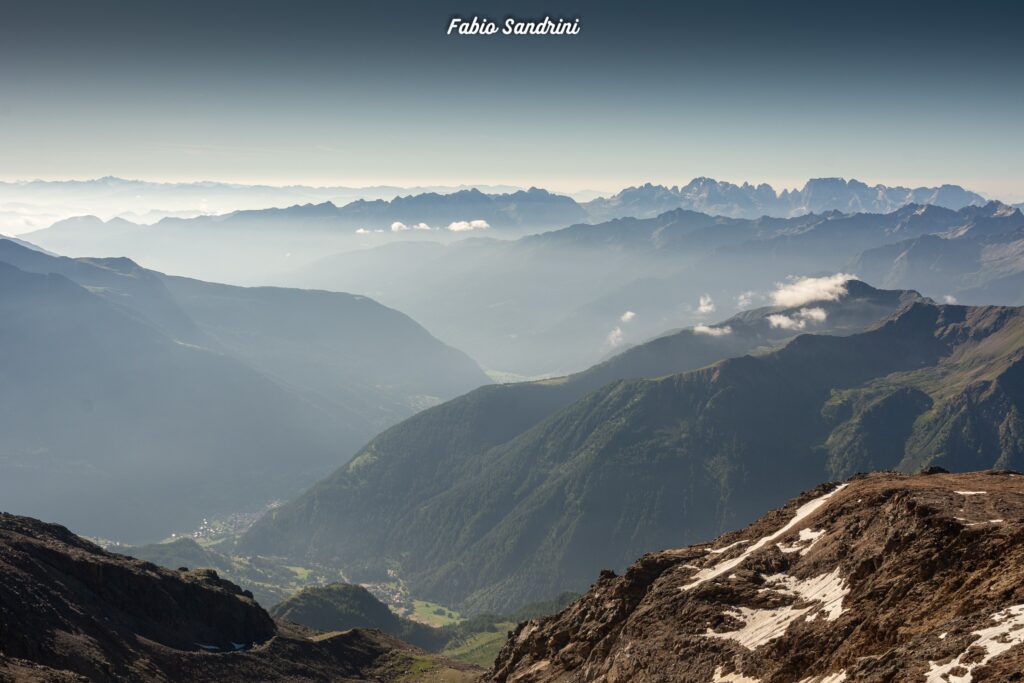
(70, 611)
(885, 578)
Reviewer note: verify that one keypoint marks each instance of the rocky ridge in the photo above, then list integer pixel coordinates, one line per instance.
(70, 611)
(887, 577)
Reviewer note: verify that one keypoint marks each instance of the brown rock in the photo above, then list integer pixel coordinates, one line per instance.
(70, 611)
(887, 578)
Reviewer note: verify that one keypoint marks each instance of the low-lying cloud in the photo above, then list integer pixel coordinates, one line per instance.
(706, 304)
(466, 226)
(745, 299)
(712, 331)
(804, 290)
(615, 337)
(784, 322)
(798, 320)
(816, 314)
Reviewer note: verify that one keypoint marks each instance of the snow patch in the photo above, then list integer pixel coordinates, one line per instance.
(760, 626)
(1007, 632)
(719, 551)
(804, 543)
(837, 677)
(802, 513)
(963, 520)
(971, 493)
(827, 589)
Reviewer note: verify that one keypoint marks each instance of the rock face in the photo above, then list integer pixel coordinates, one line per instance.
(70, 612)
(885, 578)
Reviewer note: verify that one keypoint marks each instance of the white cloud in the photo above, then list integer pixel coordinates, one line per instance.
(706, 305)
(464, 226)
(615, 337)
(804, 290)
(627, 316)
(799, 320)
(949, 299)
(744, 299)
(362, 231)
(421, 226)
(816, 314)
(712, 331)
(398, 226)
(786, 323)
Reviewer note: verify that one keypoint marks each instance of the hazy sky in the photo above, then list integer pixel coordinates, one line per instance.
(361, 93)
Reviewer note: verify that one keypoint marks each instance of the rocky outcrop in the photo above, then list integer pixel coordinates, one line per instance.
(885, 578)
(70, 611)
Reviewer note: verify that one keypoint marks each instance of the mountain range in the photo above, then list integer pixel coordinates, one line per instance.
(883, 578)
(558, 302)
(281, 238)
(514, 492)
(136, 404)
(979, 261)
(818, 195)
(36, 204)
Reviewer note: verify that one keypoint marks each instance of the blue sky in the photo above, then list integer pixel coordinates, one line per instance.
(374, 92)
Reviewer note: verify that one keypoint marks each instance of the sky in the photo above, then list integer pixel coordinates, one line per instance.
(363, 93)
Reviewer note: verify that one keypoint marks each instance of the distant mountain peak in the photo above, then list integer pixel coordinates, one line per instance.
(747, 200)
